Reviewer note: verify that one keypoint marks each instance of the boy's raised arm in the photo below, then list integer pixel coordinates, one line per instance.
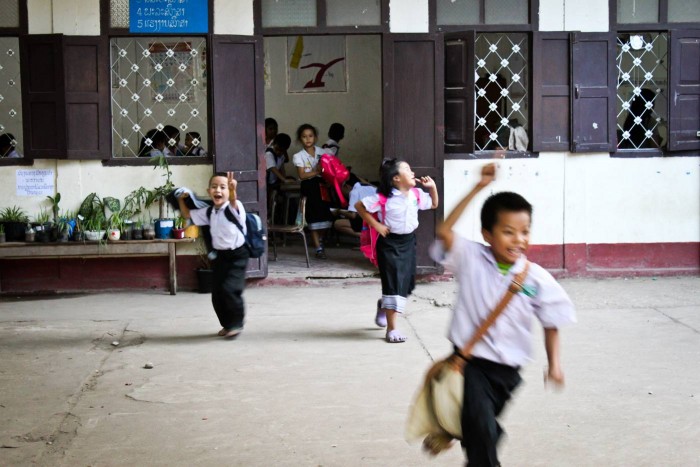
(444, 230)
(184, 210)
(232, 196)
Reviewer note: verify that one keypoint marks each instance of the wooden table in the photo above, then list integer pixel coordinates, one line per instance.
(118, 248)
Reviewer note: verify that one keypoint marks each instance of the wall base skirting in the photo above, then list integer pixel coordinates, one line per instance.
(64, 275)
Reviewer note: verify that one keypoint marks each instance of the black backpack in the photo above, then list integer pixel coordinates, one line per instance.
(255, 239)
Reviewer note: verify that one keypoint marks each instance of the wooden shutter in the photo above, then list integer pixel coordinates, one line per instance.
(87, 92)
(594, 92)
(43, 100)
(684, 91)
(238, 130)
(459, 93)
(413, 117)
(551, 92)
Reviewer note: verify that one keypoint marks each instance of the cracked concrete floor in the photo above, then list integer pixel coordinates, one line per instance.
(311, 382)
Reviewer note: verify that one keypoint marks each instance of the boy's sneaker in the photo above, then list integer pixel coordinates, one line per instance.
(320, 253)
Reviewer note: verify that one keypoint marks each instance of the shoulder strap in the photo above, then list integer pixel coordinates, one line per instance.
(515, 286)
(209, 210)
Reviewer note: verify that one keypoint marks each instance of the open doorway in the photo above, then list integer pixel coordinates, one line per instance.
(322, 80)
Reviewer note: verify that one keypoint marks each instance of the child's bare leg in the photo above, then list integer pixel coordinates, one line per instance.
(315, 238)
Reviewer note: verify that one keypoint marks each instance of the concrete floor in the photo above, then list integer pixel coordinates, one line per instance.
(311, 382)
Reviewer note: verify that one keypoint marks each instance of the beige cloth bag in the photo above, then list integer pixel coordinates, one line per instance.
(436, 414)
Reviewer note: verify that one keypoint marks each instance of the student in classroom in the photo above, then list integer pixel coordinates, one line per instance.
(336, 132)
(193, 145)
(318, 214)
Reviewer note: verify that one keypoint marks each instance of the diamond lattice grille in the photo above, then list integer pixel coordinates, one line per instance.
(10, 93)
(642, 77)
(157, 83)
(501, 88)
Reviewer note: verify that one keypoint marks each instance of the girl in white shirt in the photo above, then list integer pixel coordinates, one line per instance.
(318, 214)
(396, 245)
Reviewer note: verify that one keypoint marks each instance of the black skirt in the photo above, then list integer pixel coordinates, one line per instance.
(318, 213)
(396, 258)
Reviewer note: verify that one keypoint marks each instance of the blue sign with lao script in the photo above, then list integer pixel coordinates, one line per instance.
(169, 16)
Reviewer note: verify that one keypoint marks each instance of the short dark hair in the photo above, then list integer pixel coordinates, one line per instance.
(171, 131)
(6, 139)
(499, 202)
(269, 121)
(218, 174)
(193, 134)
(306, 126)
(336, 131)
(282, 141)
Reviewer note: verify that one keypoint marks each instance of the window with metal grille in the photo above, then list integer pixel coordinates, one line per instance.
(642, 84)
(10, 99)
(159, 96)
(359, 16)
(501, 91)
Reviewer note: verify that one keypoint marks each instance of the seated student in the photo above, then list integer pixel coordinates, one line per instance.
(193, 145)
(7, 146)
(274, 162)
(172, 142)
(354, 189)
(335, 133)
(146, 143)
(271, 129)
(158, 146)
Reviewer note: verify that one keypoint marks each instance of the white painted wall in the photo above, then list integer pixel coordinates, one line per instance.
(234, 17)
(359, 109)
(408, 16)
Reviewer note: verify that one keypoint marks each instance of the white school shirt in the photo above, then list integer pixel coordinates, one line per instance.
(331, 147)
(481, 287)
(271, 160)
(401, 211)
(13, 154)
(358, 192)
(225, 235)
(306, 160)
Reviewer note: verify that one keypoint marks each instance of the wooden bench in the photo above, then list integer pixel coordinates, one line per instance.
(119, 248)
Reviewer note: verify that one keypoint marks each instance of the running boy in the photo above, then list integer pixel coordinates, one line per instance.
(231, 254)
(484, 273)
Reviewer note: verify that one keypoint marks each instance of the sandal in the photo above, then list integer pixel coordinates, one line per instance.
(233, 333)
(380, 317)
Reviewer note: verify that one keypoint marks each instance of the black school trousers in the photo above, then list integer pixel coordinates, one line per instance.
(228, 284)
(487, 388)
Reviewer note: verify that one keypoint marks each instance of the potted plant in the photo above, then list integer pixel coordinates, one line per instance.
(179, 228)
(116, 224)
(163, 225)
(14, 220)
(137, 230)
(43, 226)
(79, 229)
(149, 232)
(2, 233)
(95, 226)
(63, 229)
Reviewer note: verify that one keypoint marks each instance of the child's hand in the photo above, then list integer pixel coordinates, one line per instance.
(232, 182)
(382, 230)
(488, 174)
(427, 182)
(554, 376)
(184, 195)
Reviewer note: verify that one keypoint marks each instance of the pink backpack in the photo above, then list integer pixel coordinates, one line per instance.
(335, 173)
(369, 235)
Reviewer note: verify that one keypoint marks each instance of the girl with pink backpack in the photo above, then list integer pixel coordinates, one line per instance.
(398, 200)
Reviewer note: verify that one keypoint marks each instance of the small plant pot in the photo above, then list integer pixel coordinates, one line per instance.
(94, 235)
(163, 228)
(149, 234)
(178, 233)
(2, 237)
(113, 234)
(137, 234)
(192, 231)
(14, 231)
(42, 235)
(205, 280)
(78, 236)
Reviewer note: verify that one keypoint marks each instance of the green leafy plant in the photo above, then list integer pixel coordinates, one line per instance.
(13, 214)
(54, 204)
(180, 222)
(43, 217)
(2, 229)
(159, 193)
